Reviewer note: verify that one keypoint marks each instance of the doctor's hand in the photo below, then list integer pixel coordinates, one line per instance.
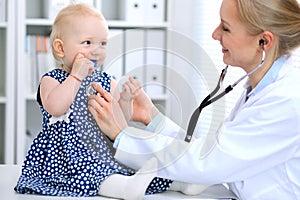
(106, 112)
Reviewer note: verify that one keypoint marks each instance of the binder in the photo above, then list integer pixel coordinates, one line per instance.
(89, 2)
(155, 10)
(132, 10)
(134, 54)
(113, 64)
(52, 7)
(155, 62)
(28, 65)
(38, 60)
(2, 10)
(140, 11)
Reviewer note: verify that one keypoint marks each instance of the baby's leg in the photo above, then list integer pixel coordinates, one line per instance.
(187, 188)
(130, 187)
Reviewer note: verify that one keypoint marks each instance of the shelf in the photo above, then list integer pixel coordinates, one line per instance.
(39, 22)
(122, 24)
(2, 100)
(3, 24)
(111, 23)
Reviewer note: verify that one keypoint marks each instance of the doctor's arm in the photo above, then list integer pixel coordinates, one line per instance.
(229, 157)
(235, 153)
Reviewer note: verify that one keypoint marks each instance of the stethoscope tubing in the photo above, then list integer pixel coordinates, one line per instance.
(209, 99)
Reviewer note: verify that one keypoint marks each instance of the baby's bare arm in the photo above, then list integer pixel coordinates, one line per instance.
(58, 97)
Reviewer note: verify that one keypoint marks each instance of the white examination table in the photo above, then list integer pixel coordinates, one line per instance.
(9, 175)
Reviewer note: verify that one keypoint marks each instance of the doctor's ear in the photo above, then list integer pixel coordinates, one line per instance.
(58, 47)
(267, 40)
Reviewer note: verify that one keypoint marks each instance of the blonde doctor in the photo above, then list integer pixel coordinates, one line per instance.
(257, 148)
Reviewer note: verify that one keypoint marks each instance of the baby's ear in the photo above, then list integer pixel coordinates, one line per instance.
(58, 47)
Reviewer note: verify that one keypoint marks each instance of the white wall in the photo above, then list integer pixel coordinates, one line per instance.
(193, 22)
(192, 81)
(181, 20)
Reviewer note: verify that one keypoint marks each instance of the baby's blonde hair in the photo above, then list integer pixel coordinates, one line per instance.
(66, 14)
(281, 17)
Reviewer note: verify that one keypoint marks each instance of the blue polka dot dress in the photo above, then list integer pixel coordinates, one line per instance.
(70, 156)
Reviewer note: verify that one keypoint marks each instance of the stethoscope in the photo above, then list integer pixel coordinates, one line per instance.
(212, 98)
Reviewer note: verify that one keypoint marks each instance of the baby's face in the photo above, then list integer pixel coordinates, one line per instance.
(86, 35)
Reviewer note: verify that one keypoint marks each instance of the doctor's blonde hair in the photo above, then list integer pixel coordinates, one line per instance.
(281, 17)
(65, 15)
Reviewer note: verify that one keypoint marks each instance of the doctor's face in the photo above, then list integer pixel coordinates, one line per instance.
(238, 46)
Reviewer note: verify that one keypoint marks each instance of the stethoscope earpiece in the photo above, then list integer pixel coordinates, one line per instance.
(261, 42)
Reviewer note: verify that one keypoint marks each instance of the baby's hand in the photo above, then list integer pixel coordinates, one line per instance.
(130, 88)
(82, 67)
(135, 103)
(143, 108)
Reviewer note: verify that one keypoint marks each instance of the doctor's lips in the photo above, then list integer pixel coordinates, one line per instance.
(224, 50)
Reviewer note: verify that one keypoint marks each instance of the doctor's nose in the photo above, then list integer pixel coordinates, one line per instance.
(216, 35)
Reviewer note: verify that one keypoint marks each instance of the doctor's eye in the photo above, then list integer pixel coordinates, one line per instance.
(224, 28)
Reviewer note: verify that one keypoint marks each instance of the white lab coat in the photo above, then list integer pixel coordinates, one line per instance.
(256, 150)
